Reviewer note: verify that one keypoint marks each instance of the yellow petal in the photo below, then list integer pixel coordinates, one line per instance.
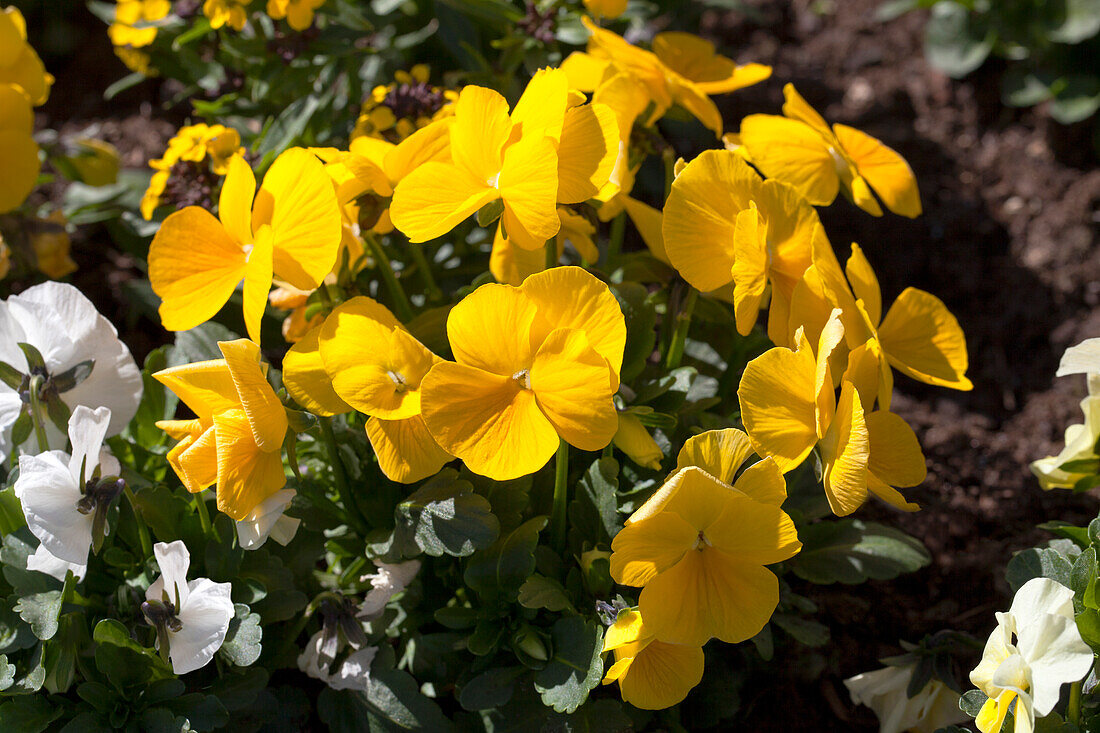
(896, 458)
(490, 329)
(864, 283)
(21, 166)
(992, 716)
(509, 264)
(405, 449)
(528, 184)
(862, 196)
(235, 201)
(258, 275)
(831, 336)
(194, 266)
(886, 171)
(845, 451)
(436, 197)
(489, 421)
(624, 94)
(661, 675)
(692, 493)
(866, 366)
(709, 594)
(578, 231)
(247, 475)
(754, 533)
(571, 297)
(648, 221)
(587, 152)
(633, 439)
(584, 71)
(642, 550)
(718, 452)
(777, 405)
(627, 629)
(797, 108)
(694, 58)
(432, 142)
(265, 413)
(206, 386)
(570, 382)
(794, 153)
(306, 380)
(195, 460)
(923, 340)
(763, 481)
(695, 100)
(540, 111)
(749, 268)
(791, 223)
(480, 130)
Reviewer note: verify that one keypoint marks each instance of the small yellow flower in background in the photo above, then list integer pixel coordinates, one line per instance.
(18, 150)
(135, 60)
(236, 438)
(295, 326)
(681, 69)
(19, 63)
(96, 161)
(801, 149)
(298, 13)
(724, 226)
(292, 230)
(191, 144)
(233, 13)
(394, 111)
(377, 367)
(652, 674)
(135, 22)
(609, 9)
(532, 364)
(633, 439)
(789, 405)
(512, 265)
(50, 240)
(698, 548)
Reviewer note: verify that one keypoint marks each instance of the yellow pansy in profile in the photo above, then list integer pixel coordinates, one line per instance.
(19, 63)
(789, 405)
(725, 228)
(298, 13)
(134, 24)
(236, 437)
(801, 149)
(652, 674)
(233, 13)
(634, 440)
(698, 548)
(681, 69)
(512, 265)
(369, 361)
(18, 150)
(291, 230)
(51, 244)
(533, 365)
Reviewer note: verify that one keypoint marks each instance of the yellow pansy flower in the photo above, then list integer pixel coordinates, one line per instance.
(298, 13)
(698, 548)
(291, 231)
(18, 150)
(191, 144)
(233, 13)
(789, 405)
(801, 149)
(681, 69)
(652, 674)
(725, 227)
(532, 364)
(135, 22)
(237, 435)
(373, 364)
(19, 63)
(50, 241)
(633, 439)
(609, 9)
(512, 265)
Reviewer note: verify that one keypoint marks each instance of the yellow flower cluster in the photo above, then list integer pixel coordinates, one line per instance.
(24, 84)
(191, 144)
(233, 13)
(135, 27)
(298, 13)
(395, 111)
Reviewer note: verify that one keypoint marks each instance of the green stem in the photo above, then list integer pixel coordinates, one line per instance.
(326, 297)
(36, 415)
(551, 253)
(343, 488)
(67, 588)
(561, 496)
(204, 515)
(400, 299)
(615, 243)
(668, 156)
(1073, 711)
(143, 529)
(431, 289)
(683, 321)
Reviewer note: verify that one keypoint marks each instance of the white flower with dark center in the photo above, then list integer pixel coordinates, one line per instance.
(84, 363)
(191, 618)
(65, 498)
(886, 692)
(268, 520)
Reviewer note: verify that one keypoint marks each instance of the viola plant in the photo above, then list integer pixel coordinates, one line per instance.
(462, 392)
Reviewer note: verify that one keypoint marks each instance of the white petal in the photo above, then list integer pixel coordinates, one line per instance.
(46, 562)
(87, 429)
(1084, 358)
(1038, 597)
(387, 582)
(1055, 654)
(10, 406)
(173, 559)
(205, 616)
(284, 530)
(108, 464)
(253, 530)
(354, 673)
(48, 494)
(309, 661)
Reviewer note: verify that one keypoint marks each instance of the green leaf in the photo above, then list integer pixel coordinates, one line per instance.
(1021, 87)
(123, 661)
(10, 376)
(499, 570)
(541, 592)
(850, 551)
(392, 701)
(971, 702)
(203, 712)
(954, 42)
(597, 493)
(7, 673)
(576, 666)
(1037, 563)
(242, 641)
(1079, 21)
(490, 689)
(804, 630)
(595, 716)
(1083, 580)
(641, 332)
(11, 512)
(200, 343)
(446, 517)
(1079, 535)
(29, 714)
(41, 611)
(1077, 100)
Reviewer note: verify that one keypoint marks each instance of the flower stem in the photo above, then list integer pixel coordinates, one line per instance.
(143, 529)
(668, 156)
(204, 514)
(431, 289)
(343, 488)
(326, 297)
(1073, 711)
(36, 415)
(683, 321)
(551, 253)
(561, 496)
(400, 299)
(615, 243)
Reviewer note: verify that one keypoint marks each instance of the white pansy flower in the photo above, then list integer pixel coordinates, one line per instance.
(885, 692)
(1035, 649)
(64, 502)
(67, 330)
(353, 673)
(268, 520)
(191, 617)
(1084, 358)
(390, 580)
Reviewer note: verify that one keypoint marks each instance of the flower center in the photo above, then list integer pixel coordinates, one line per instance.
(162, 616)
(399, 384)
(493, 181)
(839, 161)
(702, 542)
(522, 378)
